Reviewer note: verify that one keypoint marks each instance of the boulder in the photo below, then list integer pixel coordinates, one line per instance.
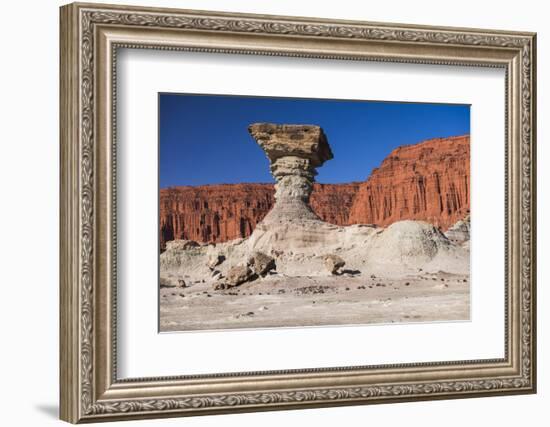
(261, 263)
(333, 263)
(220, 286)
(238, 275)
(172, 282)
(460, 231)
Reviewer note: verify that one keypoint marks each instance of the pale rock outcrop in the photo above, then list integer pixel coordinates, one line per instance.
(333, 263)
(417, 244)
(460, 231)
(181, 245)
(238, 275)
(260, 263)
(294, 152)
(214, 260)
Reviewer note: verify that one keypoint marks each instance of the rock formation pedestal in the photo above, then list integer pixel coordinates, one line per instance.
(294, 152)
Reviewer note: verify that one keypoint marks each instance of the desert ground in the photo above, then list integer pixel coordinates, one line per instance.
(279, 301)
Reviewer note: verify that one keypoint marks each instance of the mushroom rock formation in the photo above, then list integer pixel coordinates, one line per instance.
(294, 152)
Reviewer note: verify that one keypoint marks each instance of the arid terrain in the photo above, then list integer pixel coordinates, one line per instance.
(314, 301)
(297, 263)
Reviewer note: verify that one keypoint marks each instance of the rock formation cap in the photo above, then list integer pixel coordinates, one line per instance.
(304, 141)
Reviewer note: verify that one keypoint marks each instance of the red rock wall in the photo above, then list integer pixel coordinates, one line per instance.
(216, 213)
(428, 181)
(213, 213)
(332, 202)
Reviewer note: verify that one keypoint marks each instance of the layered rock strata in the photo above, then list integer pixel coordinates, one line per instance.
(429, 181)
(212, 213)
(294, 152)
(460, 231)
(218, 213)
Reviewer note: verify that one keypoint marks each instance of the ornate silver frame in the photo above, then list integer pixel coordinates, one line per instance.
(90, 36)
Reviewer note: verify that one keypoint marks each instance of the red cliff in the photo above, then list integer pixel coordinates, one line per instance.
(332, 202)
(216, 213)
(212, 213)
(428, 181)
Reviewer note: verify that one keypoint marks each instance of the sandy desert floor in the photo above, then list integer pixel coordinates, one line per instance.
(279, 301)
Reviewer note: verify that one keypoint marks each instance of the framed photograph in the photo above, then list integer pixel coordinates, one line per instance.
(267, 212)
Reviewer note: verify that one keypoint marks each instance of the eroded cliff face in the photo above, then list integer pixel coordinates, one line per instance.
(213, 213)
(428, 181)
(217, 213)
(332, 202)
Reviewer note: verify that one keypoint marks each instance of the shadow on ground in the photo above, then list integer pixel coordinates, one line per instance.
(49, 410)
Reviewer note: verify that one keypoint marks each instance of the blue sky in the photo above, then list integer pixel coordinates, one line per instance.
(204, 138)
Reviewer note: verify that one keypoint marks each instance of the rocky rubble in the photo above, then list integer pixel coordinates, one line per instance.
(257, 265)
